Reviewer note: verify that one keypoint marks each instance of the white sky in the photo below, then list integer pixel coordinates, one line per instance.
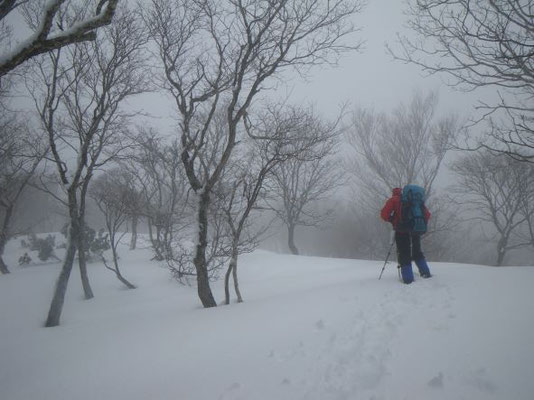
(372, 78)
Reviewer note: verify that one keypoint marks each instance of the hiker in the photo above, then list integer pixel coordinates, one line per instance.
(408, 229)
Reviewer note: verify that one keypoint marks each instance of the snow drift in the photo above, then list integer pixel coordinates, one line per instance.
(310, 328)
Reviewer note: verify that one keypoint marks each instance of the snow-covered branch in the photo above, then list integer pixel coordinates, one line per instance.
(44, 39)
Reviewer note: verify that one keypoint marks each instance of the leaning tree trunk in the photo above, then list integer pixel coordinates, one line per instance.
(124, 280)
(133, 241)
(291, 239)
(203, 284)
(116, 269)
(56, 306)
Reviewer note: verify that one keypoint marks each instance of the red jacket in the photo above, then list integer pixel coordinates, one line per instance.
(391, 211)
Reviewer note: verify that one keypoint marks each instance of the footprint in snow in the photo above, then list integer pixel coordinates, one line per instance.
(230, 392)
(320, 324)
(480, 380)
(437, 381)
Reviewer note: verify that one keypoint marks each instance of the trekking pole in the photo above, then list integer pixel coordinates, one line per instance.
(389, 252)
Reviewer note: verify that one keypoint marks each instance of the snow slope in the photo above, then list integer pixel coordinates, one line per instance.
(310, 328)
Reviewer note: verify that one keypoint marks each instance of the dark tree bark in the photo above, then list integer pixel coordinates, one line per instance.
(291, 239)
(56, 306)
(133, 241)
(3, 238)
(236, 282)
(82, 256)
(3, 267)
(203, 285)
(82, 262)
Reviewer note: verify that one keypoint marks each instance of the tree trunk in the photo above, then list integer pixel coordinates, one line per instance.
(82, 261)
(124, 280)
(236, 283)
(203, 284)
(3, 267)
(3, 238)
(133, 241)
(291, 239)
(155, 241)
(117, 270)
(232, 271)
(227, 283)
(56, 306)
(501, 251)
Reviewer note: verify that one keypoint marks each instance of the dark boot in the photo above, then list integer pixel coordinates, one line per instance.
(424, 271)
(407, 273)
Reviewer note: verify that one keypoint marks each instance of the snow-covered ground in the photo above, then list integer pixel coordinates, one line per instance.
(310, 328)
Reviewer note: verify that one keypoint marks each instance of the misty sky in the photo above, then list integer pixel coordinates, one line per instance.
(370, 78)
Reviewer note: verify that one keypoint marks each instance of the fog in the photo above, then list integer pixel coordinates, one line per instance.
(369, 78)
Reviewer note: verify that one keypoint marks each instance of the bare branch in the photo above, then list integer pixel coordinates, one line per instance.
(479, 44)
(44, 40)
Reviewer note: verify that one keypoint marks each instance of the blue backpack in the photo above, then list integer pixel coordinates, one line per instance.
(412, 206)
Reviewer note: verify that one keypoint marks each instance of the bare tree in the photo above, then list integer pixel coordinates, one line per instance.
(301, 181)
(20, 154)
(526, 210)
(479, 44)
(213, 50)
(494, 188)
(157, 170)
(237, 199)
(49, 30)
(276, 135)
(112, 192)
(405, 146)
(78, 97)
